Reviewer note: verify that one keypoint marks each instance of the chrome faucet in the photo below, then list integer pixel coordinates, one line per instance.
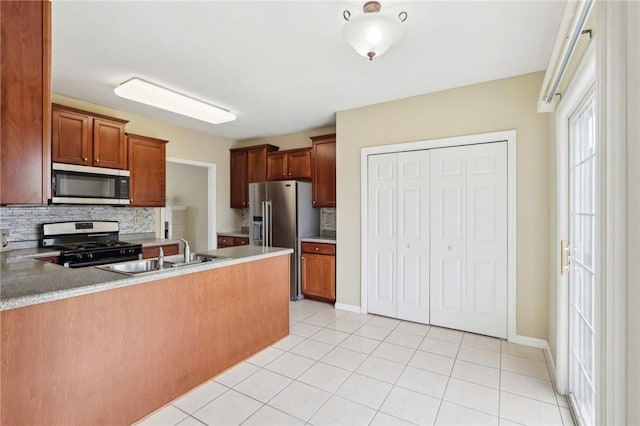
(160, 258)
(187, 250)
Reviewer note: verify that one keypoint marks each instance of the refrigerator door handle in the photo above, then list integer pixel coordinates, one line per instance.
(269, 222)
(264, 223)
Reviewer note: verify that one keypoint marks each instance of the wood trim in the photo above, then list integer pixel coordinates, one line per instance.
(113, 357)
(270, 148)
(46, 101)
(324, 138)
(92, 114)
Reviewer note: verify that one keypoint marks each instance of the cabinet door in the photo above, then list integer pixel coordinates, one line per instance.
(277, 166)
(256, 165)
(72, 135)
(324, 172)
(239, 188)
(147, 163)
(319, 276)
(109, 147)
(299, 164)
(25, 108)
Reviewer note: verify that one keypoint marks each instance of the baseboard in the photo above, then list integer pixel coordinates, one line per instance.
(550, 364)
(530, 341)
(350, 308)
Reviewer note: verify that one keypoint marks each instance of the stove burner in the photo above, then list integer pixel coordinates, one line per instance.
(81, 246)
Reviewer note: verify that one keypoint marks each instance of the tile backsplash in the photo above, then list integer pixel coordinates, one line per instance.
(24, 223)
(327, 221)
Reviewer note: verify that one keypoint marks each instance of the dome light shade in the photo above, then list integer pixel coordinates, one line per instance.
(372, 33)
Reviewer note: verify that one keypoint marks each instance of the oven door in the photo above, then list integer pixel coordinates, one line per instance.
(71, 184)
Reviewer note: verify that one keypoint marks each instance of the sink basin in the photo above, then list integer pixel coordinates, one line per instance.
(136, 267)
(148, 266)
(196, 259)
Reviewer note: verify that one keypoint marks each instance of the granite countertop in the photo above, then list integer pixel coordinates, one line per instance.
(26, 281)
(319, 239)
(31, 253)
(238, 234)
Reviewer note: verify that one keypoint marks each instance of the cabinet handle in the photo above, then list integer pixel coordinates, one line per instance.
(314, 201)
(97, 160)
(85, 159)
(316, 248)
(284, 174)
(289, 174)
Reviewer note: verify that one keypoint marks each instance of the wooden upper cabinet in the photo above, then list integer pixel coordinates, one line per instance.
(324, 170)
(277, 166)
(88, 139)
(239, 187)
(25, 106)
(147, 164)
(290, 164)
(248, 165)
(109, 146)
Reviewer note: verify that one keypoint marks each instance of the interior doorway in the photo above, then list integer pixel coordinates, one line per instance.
(192, 184)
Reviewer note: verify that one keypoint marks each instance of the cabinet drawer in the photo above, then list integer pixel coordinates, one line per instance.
(226, 242)
(319, 248)
(167, 249)
(241, 241)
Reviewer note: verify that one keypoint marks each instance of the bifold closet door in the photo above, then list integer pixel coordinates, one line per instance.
(398, 235)
(382, 234)
(469, 238)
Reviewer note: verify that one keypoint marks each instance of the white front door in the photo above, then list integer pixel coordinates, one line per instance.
(382, 234)
(582, 222)
(469, 238)
(413, 236)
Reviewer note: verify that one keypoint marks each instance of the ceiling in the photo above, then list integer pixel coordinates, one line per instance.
(283, 67)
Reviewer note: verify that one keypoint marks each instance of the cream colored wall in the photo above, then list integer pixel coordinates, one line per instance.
(187, 186)
(183, 143)
(487, 107)
(288, 141)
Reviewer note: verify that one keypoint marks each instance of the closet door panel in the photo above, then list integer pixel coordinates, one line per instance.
(413, 236)
(448, 237)
(487, 239)
(382, 233)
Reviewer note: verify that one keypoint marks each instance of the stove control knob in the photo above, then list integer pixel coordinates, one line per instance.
(89, 255)
(122, 251)
(79, 256)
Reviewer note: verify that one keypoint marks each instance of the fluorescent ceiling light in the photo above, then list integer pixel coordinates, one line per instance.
(148, 93)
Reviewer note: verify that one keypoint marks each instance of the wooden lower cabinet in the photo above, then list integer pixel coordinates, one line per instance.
(114, 356)
(225, 241)
(319, 271)
(167, 249)
(49, 259)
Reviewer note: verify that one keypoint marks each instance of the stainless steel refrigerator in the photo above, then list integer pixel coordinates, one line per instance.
(282, 213)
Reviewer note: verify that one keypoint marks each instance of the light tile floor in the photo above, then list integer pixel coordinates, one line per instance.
(341, 368)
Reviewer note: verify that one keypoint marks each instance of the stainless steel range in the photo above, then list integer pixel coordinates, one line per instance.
(88, 243)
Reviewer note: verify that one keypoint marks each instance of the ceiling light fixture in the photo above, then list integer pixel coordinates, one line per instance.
(373, 32)
(139, 90)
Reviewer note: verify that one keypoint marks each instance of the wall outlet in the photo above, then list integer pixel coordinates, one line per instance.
(137, 220)
(5, 237)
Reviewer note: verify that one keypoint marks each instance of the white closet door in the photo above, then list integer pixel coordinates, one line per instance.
(413, 236)
(486, 295)
(382, 235)
(448, 237)
(469, 238)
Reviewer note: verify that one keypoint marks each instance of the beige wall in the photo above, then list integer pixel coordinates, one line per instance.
(288, 141)
(487, 107)
(187, 186)
(183, 143)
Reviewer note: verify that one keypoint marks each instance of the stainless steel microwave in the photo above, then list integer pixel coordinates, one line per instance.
(72, 184)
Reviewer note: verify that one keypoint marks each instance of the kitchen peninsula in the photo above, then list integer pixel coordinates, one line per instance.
(106, 348)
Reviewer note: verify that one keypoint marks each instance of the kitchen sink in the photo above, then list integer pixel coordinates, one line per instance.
(147, 266)
(135, 267)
